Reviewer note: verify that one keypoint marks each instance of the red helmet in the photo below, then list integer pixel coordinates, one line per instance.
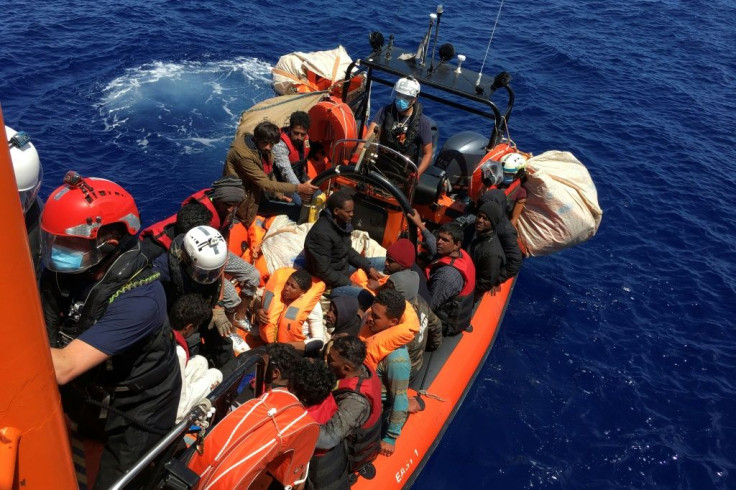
(73, 216)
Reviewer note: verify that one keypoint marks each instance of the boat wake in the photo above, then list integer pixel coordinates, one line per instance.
(186, 107)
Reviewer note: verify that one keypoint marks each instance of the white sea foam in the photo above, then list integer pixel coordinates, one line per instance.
(192, 104)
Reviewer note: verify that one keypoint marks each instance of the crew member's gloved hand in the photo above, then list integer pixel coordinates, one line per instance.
(219, 320)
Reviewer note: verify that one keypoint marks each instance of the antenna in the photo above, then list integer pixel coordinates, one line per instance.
(424, 45)
(480, 72)
(440, 10)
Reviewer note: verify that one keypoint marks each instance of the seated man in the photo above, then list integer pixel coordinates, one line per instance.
(237, 271)
(401, 255)
(290, 154)
(291, 312)
(312, 382)
(196, 263)
(343, 316)
(250, 158)
(280, 362)
(451, 279)
(403, 127)
(328, 251)
(486, 250)
(220, 201)
(429, 336)
(394, 370)
(507, 236)
(358, 397)
(187, 315)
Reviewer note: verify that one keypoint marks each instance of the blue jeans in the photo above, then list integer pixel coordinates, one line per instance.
(363, 296)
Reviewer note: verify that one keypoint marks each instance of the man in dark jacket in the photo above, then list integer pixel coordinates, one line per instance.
(327, 249)
(507, 236)
(486, 250)
(343, 316)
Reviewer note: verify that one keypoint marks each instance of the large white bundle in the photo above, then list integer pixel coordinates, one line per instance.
(284, 241)
(562, 204)
(291, 69)
(277, 110)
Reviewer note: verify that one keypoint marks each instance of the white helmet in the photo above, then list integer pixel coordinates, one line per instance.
(512, 163)
(407, 86)
(207, 251)
(26, 165)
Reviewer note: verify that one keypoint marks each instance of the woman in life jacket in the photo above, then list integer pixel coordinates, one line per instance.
(514, 174)
(291, 312)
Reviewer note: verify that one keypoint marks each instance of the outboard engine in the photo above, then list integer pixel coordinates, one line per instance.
(459, 158)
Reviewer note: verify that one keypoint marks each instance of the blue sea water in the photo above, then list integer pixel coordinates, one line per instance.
(615, 364)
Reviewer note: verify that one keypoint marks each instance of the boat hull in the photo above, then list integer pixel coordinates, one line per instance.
(447, 374)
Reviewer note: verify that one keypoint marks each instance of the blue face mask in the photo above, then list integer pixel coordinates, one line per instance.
(66, 260)
(402, 104)
(508, 178)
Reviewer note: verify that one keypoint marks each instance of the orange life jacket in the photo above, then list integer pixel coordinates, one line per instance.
(242, 240)
(271, 434)
(379, 345)
(285, 321)
(157, 231)
(360, 278)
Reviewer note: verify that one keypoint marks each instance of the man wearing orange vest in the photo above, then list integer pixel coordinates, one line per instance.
(290, 154)
(394, 369)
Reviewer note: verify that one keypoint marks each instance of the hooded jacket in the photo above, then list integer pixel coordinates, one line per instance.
(486, 251)
(429, 336)
(328, 252)
(347, 320)
(246, 162)
(507, 237)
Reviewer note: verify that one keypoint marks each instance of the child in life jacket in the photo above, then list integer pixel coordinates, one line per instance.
(187, 314)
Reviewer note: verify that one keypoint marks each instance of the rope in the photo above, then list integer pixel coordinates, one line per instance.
(480, 72)
(427, 394)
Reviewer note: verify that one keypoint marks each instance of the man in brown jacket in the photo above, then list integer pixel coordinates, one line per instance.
(251, 160)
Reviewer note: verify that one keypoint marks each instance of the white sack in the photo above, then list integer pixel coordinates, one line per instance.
(562, 204)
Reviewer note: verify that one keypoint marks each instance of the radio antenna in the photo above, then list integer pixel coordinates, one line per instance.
(440, 10)
(480, 72)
